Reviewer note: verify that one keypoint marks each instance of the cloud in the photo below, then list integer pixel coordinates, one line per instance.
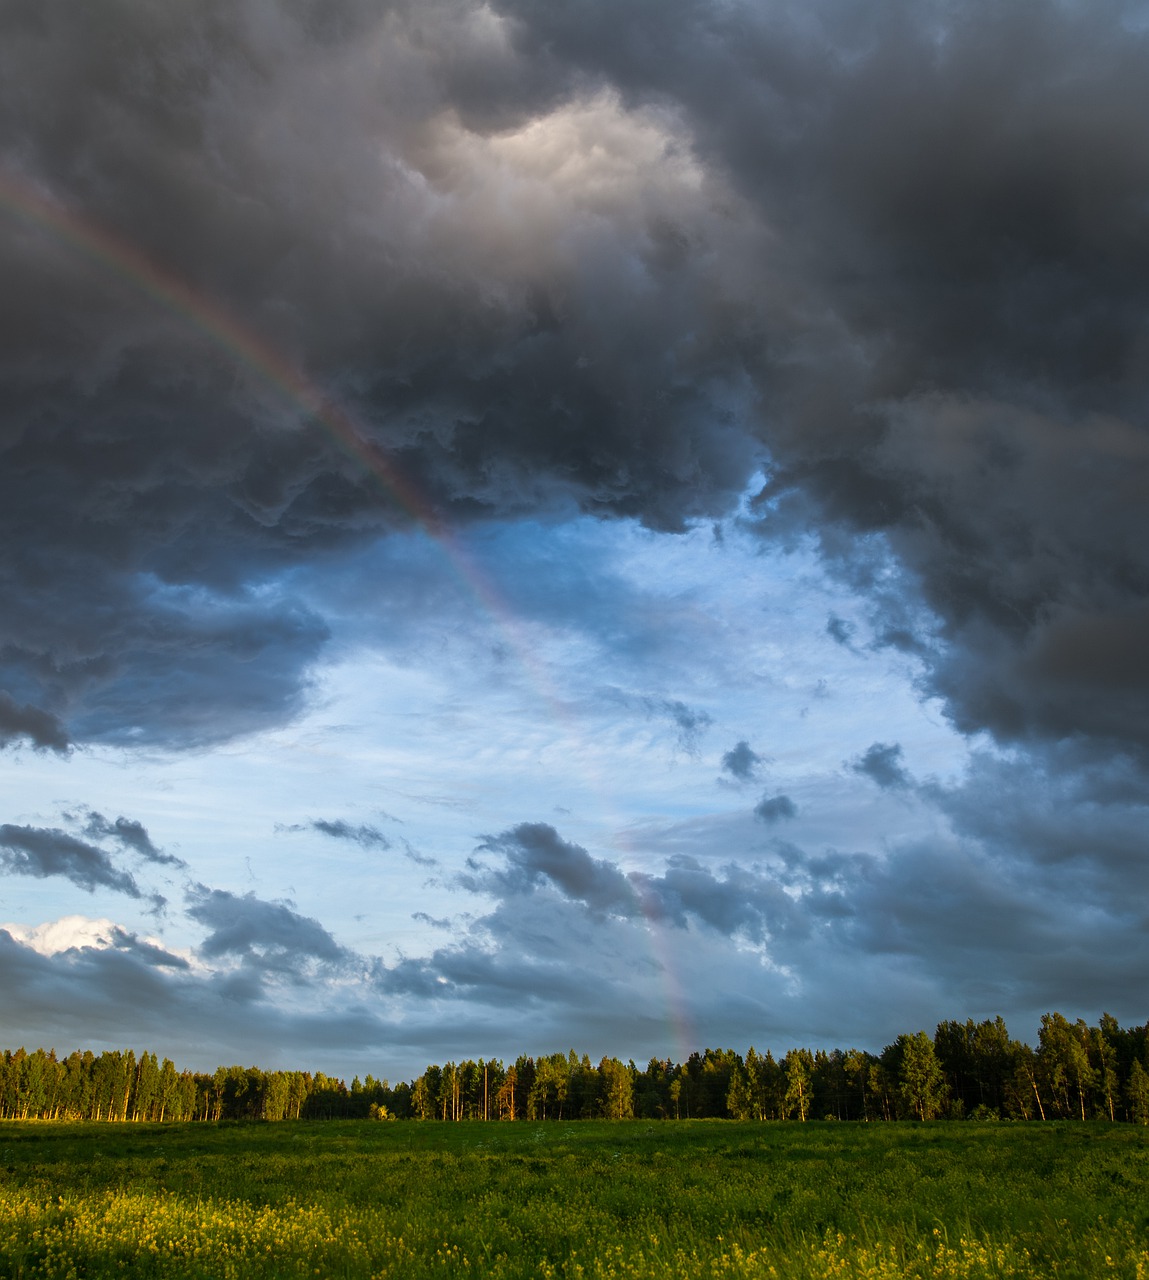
(118, 989)
(72, 933)
(741, 762)
(534, 854)
(172, 475)
(365, 836)
(536, 857)
(882, 763)
(916, 298)
(249, 927)
(131, 834)
(419, 859)
(690, 722)
(45, 851)
(41, 728)
(840, 630)
(771, 809)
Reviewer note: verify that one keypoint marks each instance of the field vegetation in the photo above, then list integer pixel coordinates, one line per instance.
(592, 1200)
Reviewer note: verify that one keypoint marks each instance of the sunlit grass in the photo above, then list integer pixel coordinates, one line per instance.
(590, 1200)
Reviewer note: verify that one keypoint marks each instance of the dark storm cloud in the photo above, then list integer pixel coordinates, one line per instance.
(47, 851)
(134, 661)
(741, 762)
(902, 254)
(881, 762)
(212, 179)
(952, 357)
(251, 927)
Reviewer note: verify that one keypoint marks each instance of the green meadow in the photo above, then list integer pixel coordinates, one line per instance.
(635, 1199)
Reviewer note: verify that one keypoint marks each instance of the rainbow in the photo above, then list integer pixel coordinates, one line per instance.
(118, 257)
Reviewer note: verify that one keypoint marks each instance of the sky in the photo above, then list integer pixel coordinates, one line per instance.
(619, 525)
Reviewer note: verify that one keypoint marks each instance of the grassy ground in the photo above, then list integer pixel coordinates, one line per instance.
(574, 1200)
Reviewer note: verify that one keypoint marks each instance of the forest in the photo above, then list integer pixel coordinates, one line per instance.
(967, 1070)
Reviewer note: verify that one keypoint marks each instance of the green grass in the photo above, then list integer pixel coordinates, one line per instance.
(708, 1198)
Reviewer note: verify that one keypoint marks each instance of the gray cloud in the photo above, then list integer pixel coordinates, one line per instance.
(47, 851)
(962, 189)
(841, 630)
(535, 853)
(366, 837)
(131, 834)
(741, 762)
(881, 762)
(771, 809)
(535, 857)
(419, 859)
(41, 728)
(948, 922)
(574, 950)
(250, 927)
(131, 992)
(170, 479)
(901, 257)
(690, 722)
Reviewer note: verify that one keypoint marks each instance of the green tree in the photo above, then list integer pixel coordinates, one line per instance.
(739, 1099)
(1064, 1059)
(921, 1081)
(1137, 1093)
(617, 1089)
(798, 1071)
(422, 1104)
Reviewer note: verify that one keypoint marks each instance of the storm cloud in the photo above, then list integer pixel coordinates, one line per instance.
(898, 261)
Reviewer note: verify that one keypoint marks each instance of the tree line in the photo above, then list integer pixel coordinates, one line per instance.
(967, 1069)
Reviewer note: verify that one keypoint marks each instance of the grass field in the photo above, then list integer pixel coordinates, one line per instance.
(630, 1199)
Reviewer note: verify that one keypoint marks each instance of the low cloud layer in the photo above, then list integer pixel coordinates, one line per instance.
(557, 944)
